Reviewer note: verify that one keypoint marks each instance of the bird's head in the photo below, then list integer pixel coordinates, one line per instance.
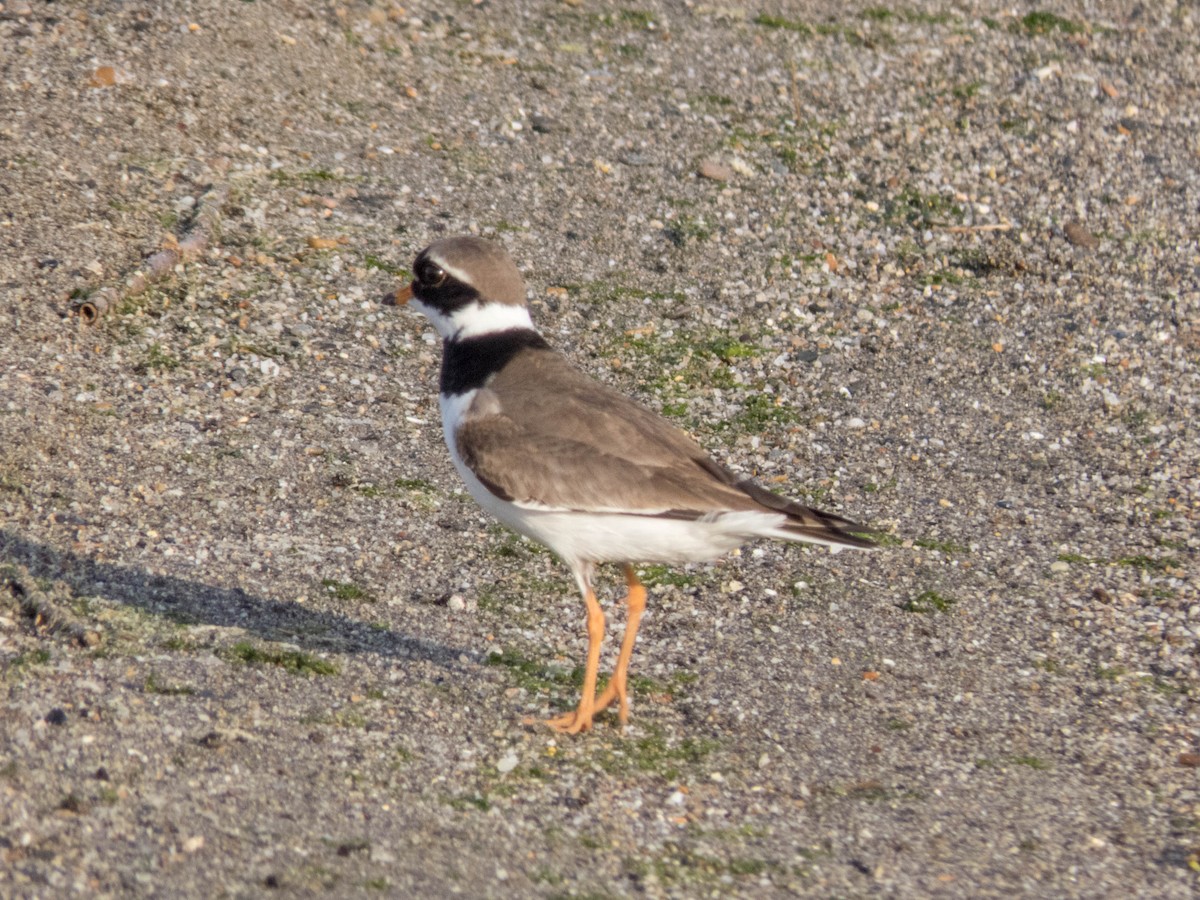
(466, 287)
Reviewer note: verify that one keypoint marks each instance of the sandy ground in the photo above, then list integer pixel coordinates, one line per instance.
(933, 267)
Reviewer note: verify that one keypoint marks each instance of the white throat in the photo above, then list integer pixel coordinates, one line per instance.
(475, 319)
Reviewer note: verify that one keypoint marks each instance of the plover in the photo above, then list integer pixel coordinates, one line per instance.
(574, 464)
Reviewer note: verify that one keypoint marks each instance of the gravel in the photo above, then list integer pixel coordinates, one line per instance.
(933, 267)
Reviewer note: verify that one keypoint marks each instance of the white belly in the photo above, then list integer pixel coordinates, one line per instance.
(610, 537)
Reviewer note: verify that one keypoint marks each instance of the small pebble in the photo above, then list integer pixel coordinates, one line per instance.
(715, 171)
(1080, 236)
(507, 763)
(742, 167)
(544, 124)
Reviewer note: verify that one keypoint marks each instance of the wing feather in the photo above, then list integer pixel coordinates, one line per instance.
(544, 434)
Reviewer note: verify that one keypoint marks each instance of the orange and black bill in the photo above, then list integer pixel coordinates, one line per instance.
(398, 297)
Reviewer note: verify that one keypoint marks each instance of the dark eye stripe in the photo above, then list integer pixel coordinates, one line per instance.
(437, 288)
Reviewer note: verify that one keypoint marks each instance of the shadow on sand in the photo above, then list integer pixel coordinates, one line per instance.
(194, 603)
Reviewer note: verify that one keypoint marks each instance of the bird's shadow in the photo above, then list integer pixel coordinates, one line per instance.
(193, 602)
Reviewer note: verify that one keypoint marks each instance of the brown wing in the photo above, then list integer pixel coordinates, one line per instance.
(604, 452)
(576, 475)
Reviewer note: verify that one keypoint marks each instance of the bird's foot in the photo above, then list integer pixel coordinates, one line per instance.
(580, 719)
(573, 722)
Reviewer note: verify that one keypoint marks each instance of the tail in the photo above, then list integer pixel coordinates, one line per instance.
(811, 526)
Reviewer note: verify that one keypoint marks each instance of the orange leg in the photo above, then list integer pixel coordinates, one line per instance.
(616, 689)
(581, 719)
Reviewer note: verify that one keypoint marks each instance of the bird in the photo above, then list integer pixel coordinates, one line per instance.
(575, 464)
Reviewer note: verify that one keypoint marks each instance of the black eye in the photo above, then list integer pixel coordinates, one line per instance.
(433, 275)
